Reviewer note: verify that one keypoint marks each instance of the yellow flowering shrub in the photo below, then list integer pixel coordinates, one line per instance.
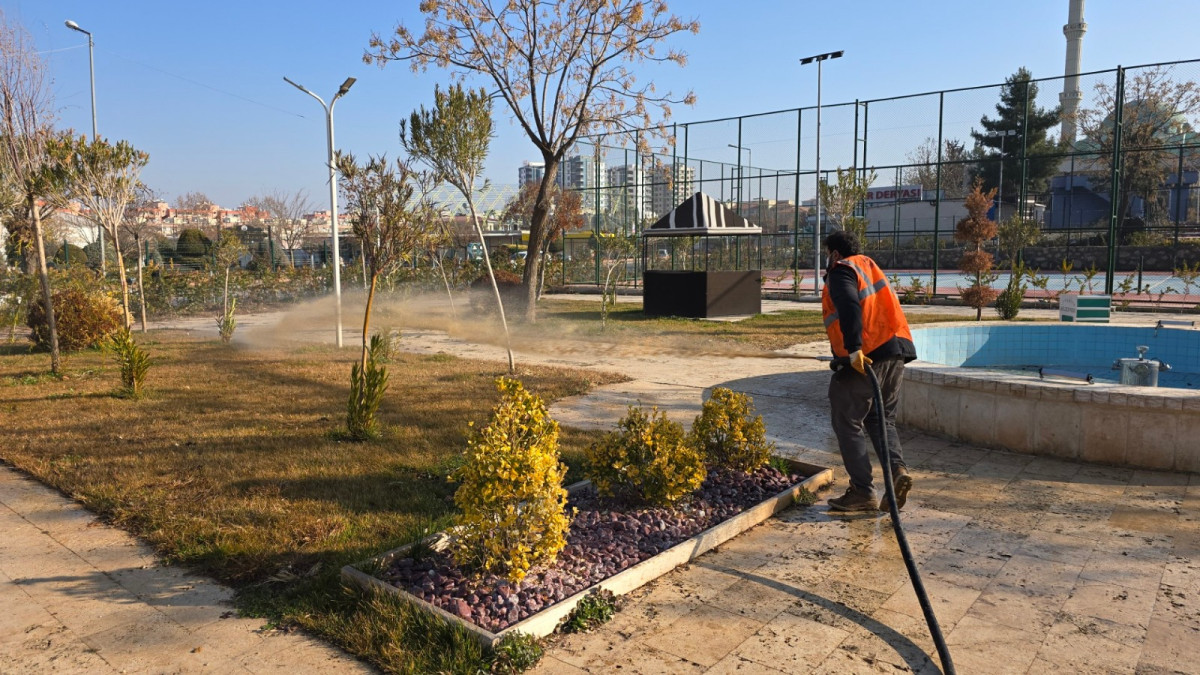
(729, 434)
(512, 503)
(648, 460)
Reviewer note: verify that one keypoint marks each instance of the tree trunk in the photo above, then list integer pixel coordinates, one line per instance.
(128, 318)
(47, 296)
(487, 262)
(538, 222)
(225, 304)
(141, 286)
(366, 332)
(446, 283)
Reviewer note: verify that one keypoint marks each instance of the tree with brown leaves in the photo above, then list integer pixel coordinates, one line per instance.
(974, 230)
(564, 69)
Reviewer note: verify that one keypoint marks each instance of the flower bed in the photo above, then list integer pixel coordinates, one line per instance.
(618, 550)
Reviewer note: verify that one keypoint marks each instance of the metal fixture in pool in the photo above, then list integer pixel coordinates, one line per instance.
(1140, 372)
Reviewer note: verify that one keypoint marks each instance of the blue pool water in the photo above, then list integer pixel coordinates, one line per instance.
(1081, 348)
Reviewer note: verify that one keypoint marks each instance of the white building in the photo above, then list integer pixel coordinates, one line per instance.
(589, 177)
(631, 192)
(530, 172)
(670, 186)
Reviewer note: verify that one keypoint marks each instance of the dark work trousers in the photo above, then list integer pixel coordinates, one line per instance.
(851, 401)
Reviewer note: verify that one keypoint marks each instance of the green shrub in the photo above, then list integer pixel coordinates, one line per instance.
(192, 244)
(593, 610)
(513, 505)
(1008, 303)
(648, 460)
(70, 254)
(133, 360)
(83, 319)
(366, 393)
(515, 653)
(729, 434)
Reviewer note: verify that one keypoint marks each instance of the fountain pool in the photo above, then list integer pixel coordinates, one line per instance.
(972, 383)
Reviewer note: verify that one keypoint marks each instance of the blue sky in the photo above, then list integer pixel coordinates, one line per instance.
(199, 85)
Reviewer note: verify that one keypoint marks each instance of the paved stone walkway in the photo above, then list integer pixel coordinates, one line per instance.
(78, 596)
(1033, 565)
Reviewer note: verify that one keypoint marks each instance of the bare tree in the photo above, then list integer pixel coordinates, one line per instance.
(563, 69)
(955, 168)
(844, 196)
(105, 179)
(139, 225)
(26, 135)
(288, 211)
(199, 206)
(1155, 108)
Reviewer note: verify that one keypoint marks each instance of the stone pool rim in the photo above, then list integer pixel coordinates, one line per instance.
(1109, 423)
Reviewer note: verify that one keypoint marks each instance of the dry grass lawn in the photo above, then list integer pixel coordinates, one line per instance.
(230, 465)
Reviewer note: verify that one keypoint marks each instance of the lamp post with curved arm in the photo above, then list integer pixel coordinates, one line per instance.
(333, 224)
(95, 134)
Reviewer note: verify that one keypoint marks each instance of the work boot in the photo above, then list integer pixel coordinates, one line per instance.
(901, 484)
(853, 502)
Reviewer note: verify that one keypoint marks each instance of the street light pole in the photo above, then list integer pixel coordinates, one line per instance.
(95, 134)
(1000, 180)
(333, 224)
(817, 223)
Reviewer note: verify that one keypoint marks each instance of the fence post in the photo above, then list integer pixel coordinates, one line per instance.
(937, 204)
(1115, 177)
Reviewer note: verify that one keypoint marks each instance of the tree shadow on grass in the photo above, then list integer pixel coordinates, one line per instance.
(422, 494)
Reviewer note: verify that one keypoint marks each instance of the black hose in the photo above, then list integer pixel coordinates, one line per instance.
(935, 631)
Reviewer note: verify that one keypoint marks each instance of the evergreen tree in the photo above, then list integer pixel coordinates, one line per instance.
(1018, 112)
(192, 244)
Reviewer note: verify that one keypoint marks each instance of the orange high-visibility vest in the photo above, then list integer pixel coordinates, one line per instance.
(882, 318)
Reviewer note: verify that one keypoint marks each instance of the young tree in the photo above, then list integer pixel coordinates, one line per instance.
(26, 163)
(975, 229)
(563, 69)
(841, 198)
(1017, 112)
(228, 250)
(288, 210)
(379, 200)
(453, 139)
(614, 251)
(105, 179)
(1014, 234)
(1154, 112)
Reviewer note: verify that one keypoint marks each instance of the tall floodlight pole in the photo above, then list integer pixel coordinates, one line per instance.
(333, 224)
(1000, 180)
(817, 223)
(95, 134)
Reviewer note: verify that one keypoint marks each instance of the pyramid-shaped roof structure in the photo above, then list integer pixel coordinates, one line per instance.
(701, 215)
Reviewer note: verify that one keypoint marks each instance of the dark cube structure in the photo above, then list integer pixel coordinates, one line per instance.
(702, 260)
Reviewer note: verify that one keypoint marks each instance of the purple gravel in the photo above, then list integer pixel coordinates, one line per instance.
(603, 540)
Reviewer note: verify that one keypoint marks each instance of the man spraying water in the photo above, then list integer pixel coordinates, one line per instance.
(866, 329)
